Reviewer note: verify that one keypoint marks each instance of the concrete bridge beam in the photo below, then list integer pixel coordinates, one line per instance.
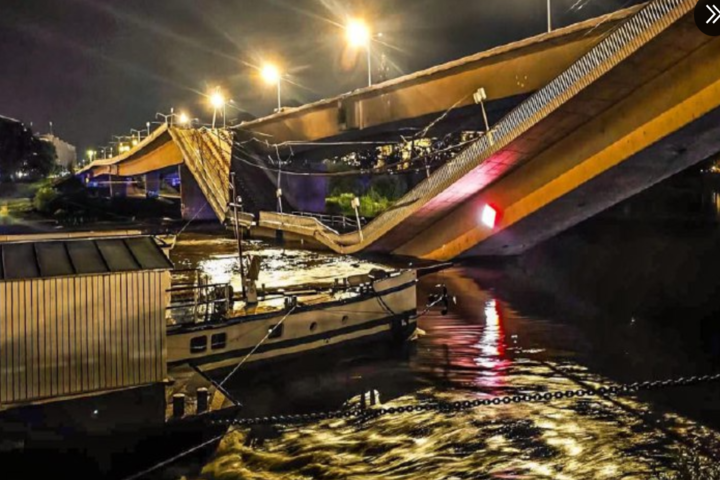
(664, 126)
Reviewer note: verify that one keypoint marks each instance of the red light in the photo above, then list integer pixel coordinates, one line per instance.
(489, 216)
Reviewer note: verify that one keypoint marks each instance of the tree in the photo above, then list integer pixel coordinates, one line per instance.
(42, 159)
(22, 154)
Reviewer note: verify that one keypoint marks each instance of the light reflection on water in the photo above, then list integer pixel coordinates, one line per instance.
(483, 348)
(218, 259)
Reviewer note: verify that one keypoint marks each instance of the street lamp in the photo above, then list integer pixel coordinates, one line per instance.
(217, 101)
(136, 134)
(359, 36)
(90, 155)
(271, 75)
(183, 119)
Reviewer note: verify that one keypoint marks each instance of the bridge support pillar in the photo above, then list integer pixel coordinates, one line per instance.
(118, 186)
(152, 184)
(194, 206)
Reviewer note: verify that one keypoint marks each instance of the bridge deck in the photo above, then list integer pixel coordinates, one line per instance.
(647, 44)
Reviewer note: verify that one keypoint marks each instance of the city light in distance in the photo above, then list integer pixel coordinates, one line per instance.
(183, 119)
(489, 216)
(358, 33)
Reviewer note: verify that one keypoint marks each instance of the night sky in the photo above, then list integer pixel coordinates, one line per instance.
(100, 67)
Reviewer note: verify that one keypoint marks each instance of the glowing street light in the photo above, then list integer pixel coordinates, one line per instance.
(217, 101)
(183, 119)
(359, 36)
(90, 154)
(358, 33)
(272, 76)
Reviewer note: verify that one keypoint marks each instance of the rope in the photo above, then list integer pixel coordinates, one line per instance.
(372, 171)
(424, 132)
(177, 457)
(270, 332)
(191, 220)
(291, 143)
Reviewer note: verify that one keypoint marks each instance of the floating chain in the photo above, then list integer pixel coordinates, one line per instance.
(451, 407)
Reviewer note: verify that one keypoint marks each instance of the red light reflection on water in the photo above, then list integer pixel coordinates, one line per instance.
(492, 347)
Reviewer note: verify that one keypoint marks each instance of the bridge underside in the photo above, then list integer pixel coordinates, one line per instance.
(696, 142)
(508, 73)
(637, 108)
(645, 121)
(202, 158)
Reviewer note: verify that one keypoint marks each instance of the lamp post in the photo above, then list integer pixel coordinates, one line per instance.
(549, 16)
(137, 135)
(355, 204)
(148, 128)
(480, 96)
(359, 35)
(217, 100)
(272, 76)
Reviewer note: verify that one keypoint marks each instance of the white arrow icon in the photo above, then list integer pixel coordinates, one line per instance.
(714, 14)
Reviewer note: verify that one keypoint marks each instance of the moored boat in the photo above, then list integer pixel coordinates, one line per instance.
(214, 331)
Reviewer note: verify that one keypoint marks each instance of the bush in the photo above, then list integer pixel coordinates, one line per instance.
(372, 204)
(44, 199)
(340, 203)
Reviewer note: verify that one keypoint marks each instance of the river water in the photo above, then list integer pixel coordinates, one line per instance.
(609, 302)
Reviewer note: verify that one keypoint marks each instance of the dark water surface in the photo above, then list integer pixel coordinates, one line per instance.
(609, 302)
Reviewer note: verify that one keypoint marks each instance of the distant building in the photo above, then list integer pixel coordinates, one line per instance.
(66, 153)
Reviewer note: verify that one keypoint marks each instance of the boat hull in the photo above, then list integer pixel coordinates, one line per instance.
(388, 311)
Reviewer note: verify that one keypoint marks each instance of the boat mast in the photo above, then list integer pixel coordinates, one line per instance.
(238, 232)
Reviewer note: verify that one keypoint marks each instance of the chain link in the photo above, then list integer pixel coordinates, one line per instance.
(451, 407)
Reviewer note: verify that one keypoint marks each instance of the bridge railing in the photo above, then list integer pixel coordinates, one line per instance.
(305, 226)
(341, 221)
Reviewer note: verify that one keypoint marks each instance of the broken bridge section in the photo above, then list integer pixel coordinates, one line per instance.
(604, 129)
(207, 155)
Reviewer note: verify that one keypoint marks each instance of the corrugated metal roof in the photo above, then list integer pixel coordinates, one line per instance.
(57, 258)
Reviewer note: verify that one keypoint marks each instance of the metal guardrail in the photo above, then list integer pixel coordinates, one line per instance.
(245, 219)
(334, 220)
(618, 45)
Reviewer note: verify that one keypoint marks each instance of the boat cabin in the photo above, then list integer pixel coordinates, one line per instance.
(80, 316)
